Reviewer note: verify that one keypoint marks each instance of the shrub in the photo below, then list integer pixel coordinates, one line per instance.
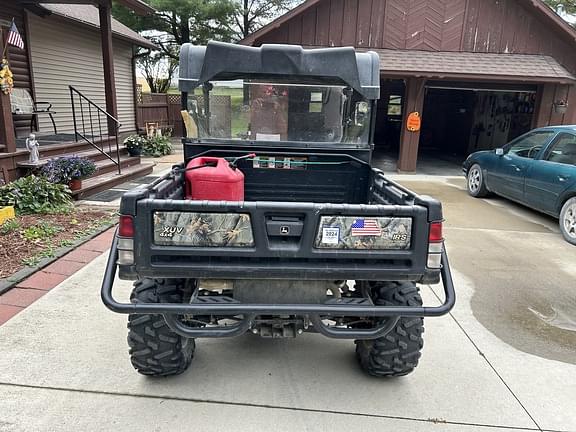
(36, 195)
(66, 168)
(157, 146)
(134, 142)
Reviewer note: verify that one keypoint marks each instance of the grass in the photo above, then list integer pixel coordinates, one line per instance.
(239, 118)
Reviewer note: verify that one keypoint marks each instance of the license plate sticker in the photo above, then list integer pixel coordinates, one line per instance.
(330, 235)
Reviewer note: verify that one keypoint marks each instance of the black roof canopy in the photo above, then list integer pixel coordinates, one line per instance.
(219, 60)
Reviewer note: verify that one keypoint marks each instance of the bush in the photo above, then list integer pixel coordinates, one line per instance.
(134, 142)
(36, 195)
(66, 168)
(157, 146)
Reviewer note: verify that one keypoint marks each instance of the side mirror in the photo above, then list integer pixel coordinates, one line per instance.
(499, 151)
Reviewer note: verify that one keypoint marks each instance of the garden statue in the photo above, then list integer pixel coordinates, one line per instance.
(32, 145)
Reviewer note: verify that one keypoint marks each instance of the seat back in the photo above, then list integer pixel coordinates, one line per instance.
(21, 101)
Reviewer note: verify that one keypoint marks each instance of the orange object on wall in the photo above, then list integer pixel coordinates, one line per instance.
(414, 122)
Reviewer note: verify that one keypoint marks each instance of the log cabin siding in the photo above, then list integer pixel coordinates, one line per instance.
(74, 57)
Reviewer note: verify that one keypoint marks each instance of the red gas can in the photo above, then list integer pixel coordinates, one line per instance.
(215, 182)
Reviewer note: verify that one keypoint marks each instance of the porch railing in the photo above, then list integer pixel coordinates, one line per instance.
(95, 126)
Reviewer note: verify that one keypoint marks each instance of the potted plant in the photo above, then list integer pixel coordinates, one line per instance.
(561, 106)
(69, 170)
(134, 144)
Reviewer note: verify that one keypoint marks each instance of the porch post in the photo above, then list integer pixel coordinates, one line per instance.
(414, 101)
(105, 11)
(7, 136)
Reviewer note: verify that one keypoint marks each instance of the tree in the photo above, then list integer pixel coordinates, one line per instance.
(158, 71)
(250, 15)
(180, 21)
(562, 6)
(197, 21)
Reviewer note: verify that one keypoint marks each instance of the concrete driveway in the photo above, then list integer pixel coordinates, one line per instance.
(504, 360)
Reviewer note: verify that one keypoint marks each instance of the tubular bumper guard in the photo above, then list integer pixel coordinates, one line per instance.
(316, 312)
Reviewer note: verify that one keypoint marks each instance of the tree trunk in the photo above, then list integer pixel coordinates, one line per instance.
(246, 23)
(185, 29)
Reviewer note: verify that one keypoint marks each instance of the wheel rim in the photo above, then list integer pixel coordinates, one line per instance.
(474, 180)
(570, 220)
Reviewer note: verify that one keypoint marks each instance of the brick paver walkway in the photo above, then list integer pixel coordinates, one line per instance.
(31, 289)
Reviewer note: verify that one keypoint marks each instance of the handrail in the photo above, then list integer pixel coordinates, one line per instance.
(85, 115)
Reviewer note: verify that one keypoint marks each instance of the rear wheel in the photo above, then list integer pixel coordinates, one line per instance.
(475, 182)
(154, 348)
(397, 353)
(568, 220)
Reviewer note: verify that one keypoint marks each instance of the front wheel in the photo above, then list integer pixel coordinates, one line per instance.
(568, 221)
(397, 353)
(476, 184)
(154, 348)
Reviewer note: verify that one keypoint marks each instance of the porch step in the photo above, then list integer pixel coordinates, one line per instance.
(107, 180)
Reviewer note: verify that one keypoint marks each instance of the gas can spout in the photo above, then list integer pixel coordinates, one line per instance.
(234, 163)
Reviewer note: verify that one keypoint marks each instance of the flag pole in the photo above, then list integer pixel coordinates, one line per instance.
(6, 42)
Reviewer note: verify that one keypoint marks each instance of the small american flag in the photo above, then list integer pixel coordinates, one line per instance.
(366, 227)
(14, 37)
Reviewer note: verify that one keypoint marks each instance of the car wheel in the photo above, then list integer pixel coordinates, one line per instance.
(475, 182)
(568, 220)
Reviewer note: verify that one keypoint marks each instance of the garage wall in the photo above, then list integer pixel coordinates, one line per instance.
(66, 54)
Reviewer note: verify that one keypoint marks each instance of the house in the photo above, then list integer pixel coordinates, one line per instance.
(479, 72)
(66, 46)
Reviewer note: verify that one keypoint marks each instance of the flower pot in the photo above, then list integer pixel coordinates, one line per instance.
(561, 108)
(135, 151)
(75, 184)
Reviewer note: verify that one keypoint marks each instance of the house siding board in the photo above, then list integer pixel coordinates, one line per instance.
(377, 21)
(350, 22)
(309, 27)
(74, 57)
(322, 23)
(363, 23)
(295, 30)
(336, 22)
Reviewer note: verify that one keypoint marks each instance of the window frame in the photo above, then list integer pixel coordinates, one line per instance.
(554, 143)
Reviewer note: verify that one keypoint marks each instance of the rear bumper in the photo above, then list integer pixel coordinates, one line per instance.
(314, 311)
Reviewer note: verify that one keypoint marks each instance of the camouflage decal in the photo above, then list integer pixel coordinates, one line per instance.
(202, 229)
(350, 232)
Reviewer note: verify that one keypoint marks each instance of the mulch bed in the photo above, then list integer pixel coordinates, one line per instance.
(38, 236)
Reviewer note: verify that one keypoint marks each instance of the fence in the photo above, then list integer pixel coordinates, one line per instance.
(164, 109)
(160, 108)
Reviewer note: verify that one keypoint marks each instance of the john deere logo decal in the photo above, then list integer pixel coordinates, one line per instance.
(285, 230)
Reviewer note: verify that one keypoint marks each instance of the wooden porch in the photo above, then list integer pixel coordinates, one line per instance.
(104, 148)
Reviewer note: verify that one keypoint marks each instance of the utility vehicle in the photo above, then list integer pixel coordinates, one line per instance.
(321, 241)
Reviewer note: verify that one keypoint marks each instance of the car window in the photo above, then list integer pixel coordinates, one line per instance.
(563, 149)
(529, 145)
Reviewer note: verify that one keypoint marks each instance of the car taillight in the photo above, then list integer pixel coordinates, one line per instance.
(125, 240)
(435, 246)
(126, 228)
(435, 232)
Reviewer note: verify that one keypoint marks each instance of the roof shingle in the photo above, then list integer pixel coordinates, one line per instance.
(522, 67)
(88, 14)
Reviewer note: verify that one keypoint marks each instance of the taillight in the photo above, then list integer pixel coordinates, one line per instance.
(435, 232)
(125, 240)
(435, 246)
(126, 228)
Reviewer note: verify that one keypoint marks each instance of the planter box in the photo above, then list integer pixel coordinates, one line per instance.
(6, 213)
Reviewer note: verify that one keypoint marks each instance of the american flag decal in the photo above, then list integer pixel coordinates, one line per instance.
(366, 227)
(14, 37)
